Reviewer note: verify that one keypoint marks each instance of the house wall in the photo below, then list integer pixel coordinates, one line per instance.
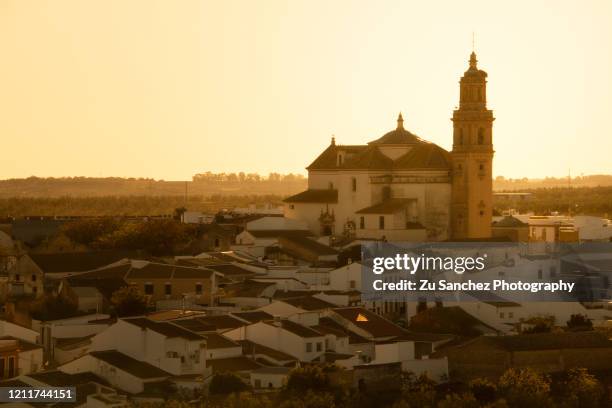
(19, 332)
(225, 352)
(30, 361)
(267, 380)
(115, 377)
(178, 288)
(279, 339)
(25, 277)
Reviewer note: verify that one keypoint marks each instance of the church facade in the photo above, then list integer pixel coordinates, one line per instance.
(401, 187)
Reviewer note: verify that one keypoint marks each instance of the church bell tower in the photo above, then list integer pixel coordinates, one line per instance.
(472, 158)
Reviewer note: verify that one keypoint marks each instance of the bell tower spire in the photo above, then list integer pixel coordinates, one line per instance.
(472, 157)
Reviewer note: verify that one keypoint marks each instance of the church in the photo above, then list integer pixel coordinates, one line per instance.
(400, 187)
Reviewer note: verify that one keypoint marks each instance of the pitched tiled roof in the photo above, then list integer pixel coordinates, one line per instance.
(296, 328)
(79, 261)
(218, 341)
(248, 288)
(250, 348)
(126, 363)
(254, 316)
(279, 233)
(327, 195)
(57, 378)
(510, 222)
(372, 323)
(167, 329)
(222, 322)
(389, 206)
(153, 270)
(308, 244)
(230, 269)
(424, 156)
(309, 303)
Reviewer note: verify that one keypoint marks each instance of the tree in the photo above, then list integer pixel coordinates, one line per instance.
(465, 400)
(483, 390)
(53, 307)
(582, 390)
(310, 400)
(579, 322)
(539, 324)
(128, 301)
(226, 383)
(88, 231)
(246, 400)
(525, 388)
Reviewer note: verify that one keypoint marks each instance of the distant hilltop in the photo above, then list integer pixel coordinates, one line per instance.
(227, 184)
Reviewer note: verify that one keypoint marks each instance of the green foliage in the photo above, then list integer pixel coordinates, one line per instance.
(539, 324)
(525, 388)
(418, 391)
(226, 383)
(578, 322)
(310, 400)
(465, 400)
(53, 307)
(128, 301)
(483, 390)
(309, 378)
(246, 400)
(582, 390)
(88, 231)
(595, 200)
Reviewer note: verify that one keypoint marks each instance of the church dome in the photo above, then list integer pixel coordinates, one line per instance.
(399, 136)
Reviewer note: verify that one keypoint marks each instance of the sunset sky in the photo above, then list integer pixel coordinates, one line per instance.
(167, 89)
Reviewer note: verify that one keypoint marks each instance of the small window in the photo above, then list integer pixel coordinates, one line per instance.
(539, 273)
(198, 288)
(361, 222)
(381, 222)
(502, 315)
(34, 290)
(319, 346)
(168, 289)
(217, 242)
(17, 277)
(481, 167)
(460, 136)
(33, 278)
(481, 213)
(510, 315)
(480, 136)
(148, 289)
(309, 347)
(354, 184)
(292, 207)
(352, 284)
(330, 185)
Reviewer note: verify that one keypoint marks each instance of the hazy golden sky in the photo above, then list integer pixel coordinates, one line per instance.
(167, 89)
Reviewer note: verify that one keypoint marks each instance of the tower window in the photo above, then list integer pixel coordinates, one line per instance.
(330, 185)
(381, 222)
(362, 222)
(481, 167)
(480, 135)
(354, 184)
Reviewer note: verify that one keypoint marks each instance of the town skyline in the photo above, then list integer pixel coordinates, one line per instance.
(153, 90)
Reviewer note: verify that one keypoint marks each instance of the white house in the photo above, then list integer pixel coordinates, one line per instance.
(297, 340)
(171, 348)
(120, 370)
